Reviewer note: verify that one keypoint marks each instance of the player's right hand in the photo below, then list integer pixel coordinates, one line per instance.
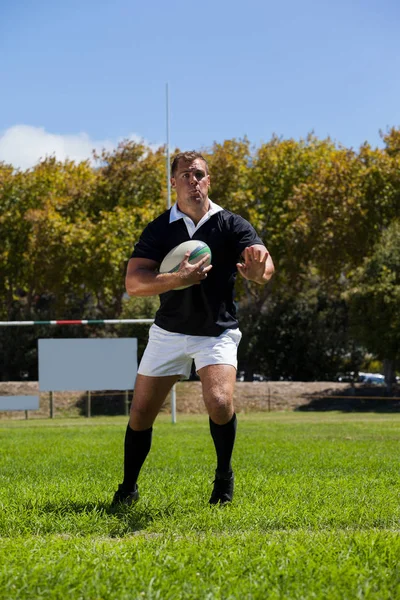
(195, 273)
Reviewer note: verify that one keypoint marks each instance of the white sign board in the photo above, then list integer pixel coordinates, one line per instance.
(87, 364)
(19, 402)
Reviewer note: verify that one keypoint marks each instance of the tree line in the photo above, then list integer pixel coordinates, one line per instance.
(328, 214)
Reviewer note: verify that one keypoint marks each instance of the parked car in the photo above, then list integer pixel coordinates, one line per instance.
(374, 378)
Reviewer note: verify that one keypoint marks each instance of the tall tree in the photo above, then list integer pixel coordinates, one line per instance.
(130, 176)
(375, 301)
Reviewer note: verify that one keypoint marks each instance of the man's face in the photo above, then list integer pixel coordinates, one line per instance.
(191, 183)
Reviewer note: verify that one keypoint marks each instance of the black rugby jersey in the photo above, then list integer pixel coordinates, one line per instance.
(208, 308)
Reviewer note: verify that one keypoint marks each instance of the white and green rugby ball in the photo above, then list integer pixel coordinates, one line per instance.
(173, 259)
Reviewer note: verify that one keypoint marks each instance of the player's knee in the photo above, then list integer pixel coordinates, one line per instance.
(140, 416)
(220, 405)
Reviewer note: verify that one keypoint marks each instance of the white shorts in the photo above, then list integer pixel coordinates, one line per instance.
(170, 353)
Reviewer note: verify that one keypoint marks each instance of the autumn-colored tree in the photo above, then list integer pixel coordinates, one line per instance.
(14, 230)
(131, 191)
(343, 209)
(331, 225)
(65, 252)
(325, 212)
(52, 210)
(130, 176)
(230, 165)
(321, 209)
(61, 240)
(279, 168)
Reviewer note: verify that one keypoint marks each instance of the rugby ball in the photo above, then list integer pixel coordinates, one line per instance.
(173, 259)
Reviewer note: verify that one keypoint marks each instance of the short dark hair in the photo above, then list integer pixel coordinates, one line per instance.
(187, 156)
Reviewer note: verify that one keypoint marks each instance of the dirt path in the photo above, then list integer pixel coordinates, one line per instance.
(256, 396)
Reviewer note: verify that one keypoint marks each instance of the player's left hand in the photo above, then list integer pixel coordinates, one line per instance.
(253, 265)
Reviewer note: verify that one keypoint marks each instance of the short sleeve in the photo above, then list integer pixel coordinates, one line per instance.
(244, 234)
(149, 245)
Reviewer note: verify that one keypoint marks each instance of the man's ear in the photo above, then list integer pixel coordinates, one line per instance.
(172, 181)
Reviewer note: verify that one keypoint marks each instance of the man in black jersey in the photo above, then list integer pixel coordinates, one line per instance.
(197, 323)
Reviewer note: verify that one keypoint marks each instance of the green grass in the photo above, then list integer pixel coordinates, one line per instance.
(316, 511)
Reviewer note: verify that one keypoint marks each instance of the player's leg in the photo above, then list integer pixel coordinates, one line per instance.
(218, 383)
(216, 363)
(148, 398)
(164, 361)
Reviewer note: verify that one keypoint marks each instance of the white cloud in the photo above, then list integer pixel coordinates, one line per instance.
(23, 145)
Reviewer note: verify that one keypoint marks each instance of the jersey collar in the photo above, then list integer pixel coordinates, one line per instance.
(176, 214)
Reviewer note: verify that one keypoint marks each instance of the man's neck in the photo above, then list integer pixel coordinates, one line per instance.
(196, 216)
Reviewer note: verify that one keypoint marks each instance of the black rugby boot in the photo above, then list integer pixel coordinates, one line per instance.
(223, 488)
(121, 497)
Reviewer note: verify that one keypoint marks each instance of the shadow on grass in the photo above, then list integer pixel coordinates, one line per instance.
(358, 399)
(131, 518)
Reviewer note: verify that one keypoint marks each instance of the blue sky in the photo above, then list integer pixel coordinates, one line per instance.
(86, 74)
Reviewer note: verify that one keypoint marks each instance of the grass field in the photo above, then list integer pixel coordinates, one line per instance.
(316, 511)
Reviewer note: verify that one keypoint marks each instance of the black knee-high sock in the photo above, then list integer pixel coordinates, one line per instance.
(137, 446)
(224, 438)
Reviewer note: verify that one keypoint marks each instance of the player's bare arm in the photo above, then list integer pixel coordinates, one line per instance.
(257, 264)
(143, 279)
